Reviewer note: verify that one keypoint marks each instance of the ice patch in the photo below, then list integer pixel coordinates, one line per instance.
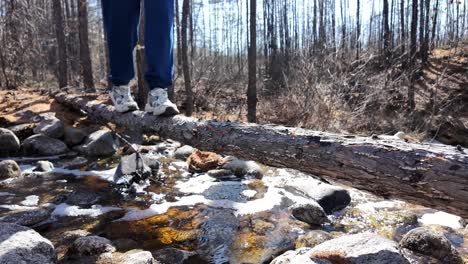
(6, 194)
(31, 200)
(64, 209)
(249, 193)
(371, 207)
(443, 219)
(15, 207)
(107, 175)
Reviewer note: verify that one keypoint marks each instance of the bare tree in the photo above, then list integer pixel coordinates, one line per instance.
(85, 53)
(252, 87)
(185, 59)
(62, 72)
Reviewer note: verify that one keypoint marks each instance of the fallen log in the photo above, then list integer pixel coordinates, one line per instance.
(432, 175)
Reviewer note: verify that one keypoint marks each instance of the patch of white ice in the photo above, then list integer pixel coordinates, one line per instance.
(15, 207)
(371, 207)
(249, 193)
(64, 209)
(443, 219)
(31, 200)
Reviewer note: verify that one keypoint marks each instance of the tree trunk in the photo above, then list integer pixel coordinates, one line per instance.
(434, 24)
(358, 28)
(140, 60)
(185, 60)
(386, 30)
(85, 53)
(413, 46)
(252, 86)
(62, 72)
(402, 26)
(429, 174)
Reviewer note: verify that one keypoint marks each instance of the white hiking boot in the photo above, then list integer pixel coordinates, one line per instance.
(122, 99)
(159, 103)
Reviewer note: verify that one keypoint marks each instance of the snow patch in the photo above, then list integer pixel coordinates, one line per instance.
(249, 193)
(31, 200)
(15, 207)
(64, 209)
(442, 219)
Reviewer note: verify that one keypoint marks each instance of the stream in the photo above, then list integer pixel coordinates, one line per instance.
(214, 220)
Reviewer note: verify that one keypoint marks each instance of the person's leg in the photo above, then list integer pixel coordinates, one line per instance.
(159, 16)
(121, 19)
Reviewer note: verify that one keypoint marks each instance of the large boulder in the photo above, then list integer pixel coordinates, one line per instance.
(136, 167)
(9, 142)
(41, 145)
(19, 244)
(243, 167)
(99, 144)
(23, 131)
(51, 127)
(368, 248)
(299, 256)
(9, 169)
(74, 136)
(26, 218)
(311, 213)
(431, 243)
(92, 246)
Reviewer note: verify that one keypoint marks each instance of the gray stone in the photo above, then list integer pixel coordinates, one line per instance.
(9, 142)
(184, 152)
(71, 236)
(19, 244)
(44, 166)
(172, 255)
(99, 144)
(299, 256)
(51, 127)
(368, 248)
(9, 169)
(331, 198)
(132, 168)
(219, 173)
(83, 198)
(242, 167)
(431, 243)
(23, 131)
(74, 136)
(135, 257)
(312, 238)
(92, 245)
(310, 213)
(40, 145)
(26, 218)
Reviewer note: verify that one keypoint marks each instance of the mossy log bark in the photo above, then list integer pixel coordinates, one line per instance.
(432, 175)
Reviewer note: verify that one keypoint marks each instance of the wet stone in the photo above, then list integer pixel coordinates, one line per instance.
(136, 167)
(19, 244)
(23, 131)
(312, 238)
(431, 243)
(82, 198)
(74, 136)
(51, 127)
(9, 142)
(40, 145)
(219, 173)
(311, 213)
(71, 236)
(9, 169)
(231, 191)
(44, 166)
(332, 198)
(135, 257)
(26, 218)
(242, 167)
(92, 245)
(75, 163)
(172, 255)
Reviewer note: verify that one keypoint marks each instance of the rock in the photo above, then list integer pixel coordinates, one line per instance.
(40, 145)
(299, 256)
(135, 257)
(92, 245)
(451, 130)
(44, 166)
(242, 167)
(125, 244)
(219, 173)
(366, 248)
(310, 213)
(203, 161)
(51, 127)
(130, 166)
(9, 169)
(312, 238)
(331, 198)
(75, 163)
(71, 236)
(431, 243)
(184, 152)
(83, 198)
(23, 131)
(99, 144)
(9, 142)
(172, 255)
(74, 136)
(19, 244)
(26, 218)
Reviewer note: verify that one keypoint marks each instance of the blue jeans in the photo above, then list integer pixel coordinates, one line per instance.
(121, 19)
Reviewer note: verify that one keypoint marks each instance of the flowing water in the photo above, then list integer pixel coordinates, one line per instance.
(235, 220)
